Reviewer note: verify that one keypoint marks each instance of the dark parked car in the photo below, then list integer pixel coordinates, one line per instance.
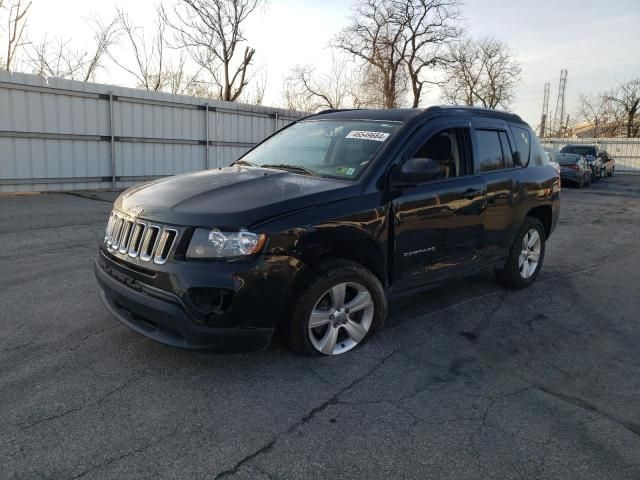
(574, 169)
(314, 229)
(592, 156)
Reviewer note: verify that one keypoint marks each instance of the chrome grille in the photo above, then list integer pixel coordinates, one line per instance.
(140, 239)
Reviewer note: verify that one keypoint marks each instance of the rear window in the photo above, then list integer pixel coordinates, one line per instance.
(567, 158)
(579, 150)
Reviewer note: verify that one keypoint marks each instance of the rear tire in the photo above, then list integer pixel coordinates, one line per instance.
(525, 257)
(344, 300)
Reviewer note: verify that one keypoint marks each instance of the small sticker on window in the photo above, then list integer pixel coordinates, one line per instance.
(346, 171)
(364, 135)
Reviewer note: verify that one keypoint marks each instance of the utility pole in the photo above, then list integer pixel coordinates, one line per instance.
(545, 110)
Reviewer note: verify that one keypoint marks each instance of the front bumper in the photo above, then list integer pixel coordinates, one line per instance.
(247, 324)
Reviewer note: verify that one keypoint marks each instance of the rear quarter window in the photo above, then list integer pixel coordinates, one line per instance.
(523, 143)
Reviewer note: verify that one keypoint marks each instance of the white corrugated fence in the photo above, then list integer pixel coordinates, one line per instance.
(58, 134)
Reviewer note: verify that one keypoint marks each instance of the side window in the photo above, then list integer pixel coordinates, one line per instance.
(489, 150)
(447, 149)
(537, 152)
(507, 154)
(523, 143)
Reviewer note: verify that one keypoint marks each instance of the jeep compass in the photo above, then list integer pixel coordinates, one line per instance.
(317, 228)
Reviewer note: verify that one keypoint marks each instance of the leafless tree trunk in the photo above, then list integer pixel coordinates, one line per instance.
(211, 30)
(481, 72)
(429, 25)
(15, 21)
(58, 59)
(627, 97)
(375, 37)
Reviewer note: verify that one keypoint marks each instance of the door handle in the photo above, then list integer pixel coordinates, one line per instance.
(471, 193)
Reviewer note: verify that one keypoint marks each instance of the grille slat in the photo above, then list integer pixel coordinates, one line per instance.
(137, 239)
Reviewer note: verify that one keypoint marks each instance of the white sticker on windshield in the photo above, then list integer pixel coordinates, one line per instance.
(376, 136)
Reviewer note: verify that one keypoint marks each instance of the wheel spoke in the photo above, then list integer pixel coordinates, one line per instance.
(356, 331)
(534, 256)
(531, 268)
(533, 239)
(521, 260)
(525, 241)
(361, 301)
(328, 342)
(337, 295)
(318, 318)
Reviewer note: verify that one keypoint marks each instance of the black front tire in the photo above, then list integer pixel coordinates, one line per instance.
(317, 281)
(510, 275)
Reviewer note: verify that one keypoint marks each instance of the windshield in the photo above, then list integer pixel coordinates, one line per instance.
(579, 150)
(328, 148)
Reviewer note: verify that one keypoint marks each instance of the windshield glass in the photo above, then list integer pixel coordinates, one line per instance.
(579, 150)
(328, 148)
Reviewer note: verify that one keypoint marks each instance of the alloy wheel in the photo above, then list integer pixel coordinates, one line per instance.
(341, 318)
(530, 253)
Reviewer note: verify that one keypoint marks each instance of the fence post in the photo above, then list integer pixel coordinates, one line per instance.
(113, 142)
(217, 139)
(206, 127)
(276, 122)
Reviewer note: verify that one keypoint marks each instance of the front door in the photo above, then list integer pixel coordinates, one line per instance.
(438, 225)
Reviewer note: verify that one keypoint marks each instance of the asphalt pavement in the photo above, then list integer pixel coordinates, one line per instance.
(466, 381)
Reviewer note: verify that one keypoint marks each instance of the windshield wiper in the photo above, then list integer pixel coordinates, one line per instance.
(245, 162)
(292, 168)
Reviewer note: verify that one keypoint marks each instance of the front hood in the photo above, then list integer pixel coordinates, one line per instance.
(233, 197)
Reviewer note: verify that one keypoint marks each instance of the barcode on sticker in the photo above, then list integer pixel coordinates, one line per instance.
(377, 136)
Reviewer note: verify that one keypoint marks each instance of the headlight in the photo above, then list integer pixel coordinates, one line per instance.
(218, 244)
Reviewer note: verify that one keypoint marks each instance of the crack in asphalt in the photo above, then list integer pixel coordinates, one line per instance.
(333, 400)
(124, 455)
(27, 426)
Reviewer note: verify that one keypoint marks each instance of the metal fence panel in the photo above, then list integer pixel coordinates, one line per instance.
(625, 151)
(56, 134)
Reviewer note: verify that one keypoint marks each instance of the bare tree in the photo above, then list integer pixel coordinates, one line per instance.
(428, 26)
(16, 21)
(59, 59)
(149, 69)
(599, 113)
(330, 90)
(375, 32)
(211, 30)
(627, 98)
(482, 72)
(254, 94)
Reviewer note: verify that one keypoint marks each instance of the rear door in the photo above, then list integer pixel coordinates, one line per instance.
(438, 225)
(494, 159)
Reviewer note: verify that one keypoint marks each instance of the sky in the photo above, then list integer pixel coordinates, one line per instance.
(597, 41)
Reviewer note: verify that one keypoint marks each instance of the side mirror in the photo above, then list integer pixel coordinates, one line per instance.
(416, 171)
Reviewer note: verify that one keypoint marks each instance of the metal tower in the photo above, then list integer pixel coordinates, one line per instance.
(545, 110)
(558, 117)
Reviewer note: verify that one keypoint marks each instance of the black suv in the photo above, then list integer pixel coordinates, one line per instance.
(314, 229)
